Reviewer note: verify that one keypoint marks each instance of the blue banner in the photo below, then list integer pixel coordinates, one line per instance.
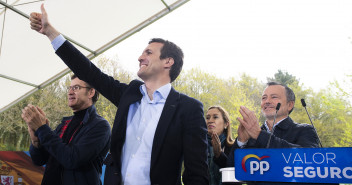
(313, 165)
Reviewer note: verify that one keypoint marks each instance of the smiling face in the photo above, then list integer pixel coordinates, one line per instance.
(82, 97)
(150, 65)
(273, 95)
(215, 121)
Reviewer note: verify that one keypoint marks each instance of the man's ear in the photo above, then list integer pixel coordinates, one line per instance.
(91, 92)
(291, 104)
(169, 62)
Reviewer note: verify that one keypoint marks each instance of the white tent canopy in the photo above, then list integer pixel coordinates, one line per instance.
(28, 62)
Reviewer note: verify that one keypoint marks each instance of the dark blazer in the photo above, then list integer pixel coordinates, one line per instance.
(287, 134)
(181, 133)
(221, 161)
(82, 159)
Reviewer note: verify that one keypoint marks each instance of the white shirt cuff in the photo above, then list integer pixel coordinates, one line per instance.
(241, 144)
(58, 41)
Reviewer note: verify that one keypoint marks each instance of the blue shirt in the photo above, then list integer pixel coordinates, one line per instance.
(58, 41)
(142, 120)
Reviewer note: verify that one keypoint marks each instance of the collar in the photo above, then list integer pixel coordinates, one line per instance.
(159, 95)
(88, 112)
(266, 124)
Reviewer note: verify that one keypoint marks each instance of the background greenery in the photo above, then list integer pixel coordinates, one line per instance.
(329, 108)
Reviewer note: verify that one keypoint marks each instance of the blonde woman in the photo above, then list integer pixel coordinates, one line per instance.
(219, 141)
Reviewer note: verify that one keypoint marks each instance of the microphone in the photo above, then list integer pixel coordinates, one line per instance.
(272, 131)
(304, 105)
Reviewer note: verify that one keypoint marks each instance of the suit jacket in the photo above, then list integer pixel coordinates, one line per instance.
(287, 134)
(81, 159)
(181, 133)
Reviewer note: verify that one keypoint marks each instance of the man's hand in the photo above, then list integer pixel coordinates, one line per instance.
(243, 135)
(215, 142)
(40, 23)
(34, 117)
(34, 139)
(249, 122)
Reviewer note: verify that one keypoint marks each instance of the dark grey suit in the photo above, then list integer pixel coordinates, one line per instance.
(287, 134)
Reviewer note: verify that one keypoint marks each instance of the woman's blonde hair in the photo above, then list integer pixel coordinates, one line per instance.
(226, 117)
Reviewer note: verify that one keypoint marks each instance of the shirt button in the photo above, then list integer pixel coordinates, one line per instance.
(138, 138)
(132, 155)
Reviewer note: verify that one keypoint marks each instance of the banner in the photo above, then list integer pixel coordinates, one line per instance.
(311, 165)
(16, 168)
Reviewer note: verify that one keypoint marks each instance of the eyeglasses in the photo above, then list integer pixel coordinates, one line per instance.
(75, 88)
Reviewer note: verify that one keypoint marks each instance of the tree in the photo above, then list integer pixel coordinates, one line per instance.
(53, 100)
(283, 78)
(13, 130)
(331, 114)
(211, 90)
(111, 67)
(330, 110)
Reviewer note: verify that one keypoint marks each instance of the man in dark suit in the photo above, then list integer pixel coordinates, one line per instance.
(156, 127)
(286, 133)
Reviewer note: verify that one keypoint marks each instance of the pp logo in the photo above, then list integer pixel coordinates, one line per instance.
(254, 166)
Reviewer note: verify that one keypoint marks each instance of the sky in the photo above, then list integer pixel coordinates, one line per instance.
(310, 39)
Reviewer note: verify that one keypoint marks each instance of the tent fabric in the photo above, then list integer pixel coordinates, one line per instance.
(28, 62)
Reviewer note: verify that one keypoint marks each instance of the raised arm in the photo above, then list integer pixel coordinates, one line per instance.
(80, 65)
(41, 24)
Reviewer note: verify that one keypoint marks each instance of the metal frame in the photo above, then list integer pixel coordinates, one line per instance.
(92, 54)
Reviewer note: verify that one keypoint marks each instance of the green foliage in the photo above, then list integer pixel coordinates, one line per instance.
(211, 90)
(330, 108)
(13, 130)
(332, 116)
(53, 101)
(283, 78)
(111, 67)
(244, 92)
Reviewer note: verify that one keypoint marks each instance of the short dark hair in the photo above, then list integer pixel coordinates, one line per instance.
(171, 50)
(290, 95)
(96, 94)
